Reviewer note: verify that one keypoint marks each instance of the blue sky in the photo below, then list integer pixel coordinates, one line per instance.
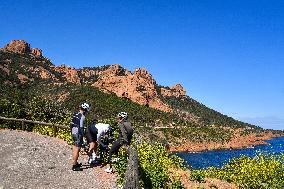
(227, 54)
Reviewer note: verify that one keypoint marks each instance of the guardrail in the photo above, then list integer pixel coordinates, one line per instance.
(132, 172)
(23, 121)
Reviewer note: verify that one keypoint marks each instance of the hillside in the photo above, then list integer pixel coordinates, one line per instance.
(34, 88)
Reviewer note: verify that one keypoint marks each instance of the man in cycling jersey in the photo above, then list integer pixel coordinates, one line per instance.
(97, 134)
(124, 138)
(77, 131)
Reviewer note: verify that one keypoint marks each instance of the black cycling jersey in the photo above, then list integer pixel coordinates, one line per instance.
(76, 120)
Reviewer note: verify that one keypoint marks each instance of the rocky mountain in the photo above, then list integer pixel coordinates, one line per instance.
(139, 86)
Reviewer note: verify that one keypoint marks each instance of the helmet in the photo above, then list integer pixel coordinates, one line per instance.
(85, 106)
(122, 115)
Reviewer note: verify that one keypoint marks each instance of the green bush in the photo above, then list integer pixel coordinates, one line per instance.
(121, 166)
(197, 175)
(155, 164)
(176, 185)
(260, 172)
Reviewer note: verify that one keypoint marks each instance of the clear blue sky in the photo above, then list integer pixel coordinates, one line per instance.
(228, 54)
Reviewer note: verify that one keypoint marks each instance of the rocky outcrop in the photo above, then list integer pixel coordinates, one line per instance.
(175, 91)
(22, 47)
(37, 52)
(89, 73)
(139, 87)
(23, 78)
(237, 141)
(69, 73)
(42, 73)
(18, 46)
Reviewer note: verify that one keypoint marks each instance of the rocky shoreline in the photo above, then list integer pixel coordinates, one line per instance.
(237, 142)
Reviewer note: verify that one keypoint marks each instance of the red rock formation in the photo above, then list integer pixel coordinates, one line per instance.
(23, 78)
(139, 87)
(69, 73)
(89, 73)
(36, 52)
(22, 47)
(176, 91)
(42, 73)
(237, 141)
(18, 46)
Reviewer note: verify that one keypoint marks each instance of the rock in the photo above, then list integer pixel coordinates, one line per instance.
(23, 78)
(139, 87)
(175, 91)
(22, 47)
(36, 52)
(18, 46)
(42, 73)
(69, 73)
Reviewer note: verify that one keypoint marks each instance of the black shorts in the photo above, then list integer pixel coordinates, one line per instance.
(77, 136)
(91, 134)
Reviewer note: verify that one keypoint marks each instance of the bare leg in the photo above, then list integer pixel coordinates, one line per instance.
(93, 147)
(76, 151)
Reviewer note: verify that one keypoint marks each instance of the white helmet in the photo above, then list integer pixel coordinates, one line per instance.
(85, 106)
(122, 115)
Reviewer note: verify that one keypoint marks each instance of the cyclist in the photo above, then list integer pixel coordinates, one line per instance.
(77, 131)
(124, 138)
(97, 133)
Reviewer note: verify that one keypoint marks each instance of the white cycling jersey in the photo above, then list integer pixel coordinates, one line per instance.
(102, 129)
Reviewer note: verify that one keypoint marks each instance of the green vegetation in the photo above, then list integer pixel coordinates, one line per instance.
(260, 172)
(203, 114)
(197, 175)
(155, 165)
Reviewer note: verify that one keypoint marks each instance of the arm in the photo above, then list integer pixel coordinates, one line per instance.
(81, 126)
(82, 121)
(100, 140)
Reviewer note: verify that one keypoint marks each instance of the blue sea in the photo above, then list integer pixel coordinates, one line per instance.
(217, 158)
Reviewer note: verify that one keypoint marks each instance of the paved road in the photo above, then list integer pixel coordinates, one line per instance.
(31, 160)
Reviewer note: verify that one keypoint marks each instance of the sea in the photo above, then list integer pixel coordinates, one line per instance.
(217, 158)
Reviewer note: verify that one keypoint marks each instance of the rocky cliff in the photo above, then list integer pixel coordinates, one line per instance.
(174, 91)
(22, 47)
(139, 86)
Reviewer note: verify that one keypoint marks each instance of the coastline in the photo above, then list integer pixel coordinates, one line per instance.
(237, 142)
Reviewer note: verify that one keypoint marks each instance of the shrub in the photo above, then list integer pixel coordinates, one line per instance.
(176, 185)
(260, 172)
(197, 175)
(154, 166)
